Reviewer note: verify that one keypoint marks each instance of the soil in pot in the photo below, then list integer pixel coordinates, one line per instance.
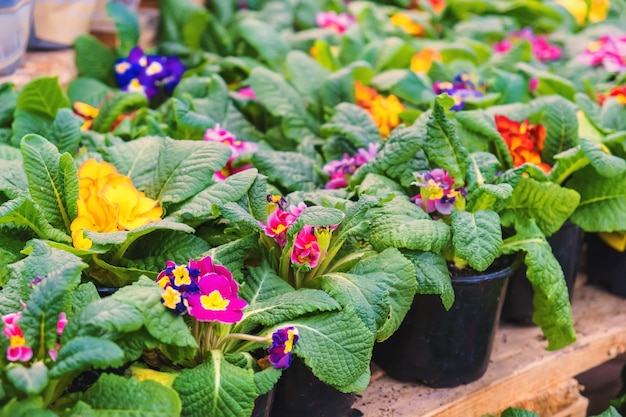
(448, 348)
(299, 393)
(606, 267)
(566, 246)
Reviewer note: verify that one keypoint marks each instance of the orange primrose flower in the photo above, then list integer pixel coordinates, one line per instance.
(386, 113)
(525, 141)
(423, 60)
(618, 92)
(404, 21)
(89, 113)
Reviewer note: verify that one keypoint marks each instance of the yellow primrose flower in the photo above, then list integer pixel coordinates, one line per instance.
(404, 21)
(385, 111)
(578, 8)
(109, 202)
(599, 10)
(423, 60)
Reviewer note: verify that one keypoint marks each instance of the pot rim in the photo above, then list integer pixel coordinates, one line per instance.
(505, 272)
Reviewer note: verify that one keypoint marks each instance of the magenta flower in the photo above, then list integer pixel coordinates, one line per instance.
(61, 323)
(608, 51)
(283, 341)
(247, 92)
(206, 291)
(218, 299)
(437, 192)
(340, 171)
(542, 49)
(237, 148)
(331, 20)
(306, 249)
(17, 350)
(277, 224)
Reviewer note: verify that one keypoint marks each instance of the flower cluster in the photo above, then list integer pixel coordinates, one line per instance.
(337, 22)
(340, 171)
(17, 350)
(437, 192)
(542, 49)
(385, 111)
(283, 341)
(148, 73)
(461, 89)
(525, 141)
(206, 291)
(280, 219)
(619, 92)
(237, 147)
(408, 25)
(608, 51)
(109, 202)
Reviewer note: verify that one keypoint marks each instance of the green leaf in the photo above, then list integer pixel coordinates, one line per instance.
(30, 407)
(121, 103)
(602, 204)
(31, 381)
(337, 346)
(88, 90)
(43, 96)
(216, 388)
(116, 396)
(288, 306)
(432, 275)
(84, 352)
(266, 379)
(516, 412)
(401, 224)
(201, 205)
(127, 25)
(481, 123)
(551, 300)
(549, 83)
(305, 73)
(476, 237)
(316, 216)
(561, 125)
(233, 254)
(209, 96)
(24, 212)
(264, 284)
(182, 122)
(607, 165)
(291, 170)
(489, 197)
(46, 179)
(104, 318)
(547, 203)
(65, 131)
(264, 39)
(354, 123)
(94, 59)
(145, 295)
(184, 168)
(137, 159)
(444, 147)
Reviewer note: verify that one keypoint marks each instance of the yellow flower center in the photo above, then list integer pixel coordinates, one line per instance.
(289, 342)
(154, 68)
(214, 301)
(279, 229)
(122, 67)
(17, 341)
(181, 275)
(171, 298)
(135, 86)
(435, 192)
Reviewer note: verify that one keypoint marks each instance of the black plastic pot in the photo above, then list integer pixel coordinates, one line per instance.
(606, 267)
(442, 348)
(566, 244)
(299, 393)
(263, 405)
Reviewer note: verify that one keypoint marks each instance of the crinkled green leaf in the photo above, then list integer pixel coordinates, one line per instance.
(316, 216)
(551, 300)
(121, 103)
(265, 40)
(184, 123)
(516, 412)
(46, 179)
(30, 407)
(127, 25)
(444, 147)
(401, 224)
(476, 237)
(104, 318)
(208, 95)
(263, 284)
(354, 123)
(337, 346)
(547, 203)
(266, 379)
(216, 388)
(9, 253)
(88, 90)
(607, 165)
(85, 352)
(233, 254)
(306, 73)
(116, 396)
(602, 204)
(138, 159)
(84, 295)
(32, 380)
(184, 168)
(613, 115)
(479, 122)
(561, 124)
(65, 131)
(200, 206)
(42, 96)
(9, 153)
(298, 174)
(94, 59)
(24, 212)
(240, 217)
(432, 275)
(549, 83)
(126, 237)
(489, 197)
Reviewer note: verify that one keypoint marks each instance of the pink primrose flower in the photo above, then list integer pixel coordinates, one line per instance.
(247, 92)
(331, 20)
(237, 148)
(17, 350)
(283, 341)
(218, 299)
(542, 49)
(608, 51)
(340, 171)
(306, 249)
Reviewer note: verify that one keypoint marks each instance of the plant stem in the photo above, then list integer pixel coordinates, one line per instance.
(346, 259)
(242, 336)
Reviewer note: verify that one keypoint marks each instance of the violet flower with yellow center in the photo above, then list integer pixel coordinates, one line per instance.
(109, 202)
(437, 192)
(281, 351)
(340, 171)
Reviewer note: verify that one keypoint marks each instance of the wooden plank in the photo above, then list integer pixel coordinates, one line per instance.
(520, 366)
(44, 64)
(578, 409)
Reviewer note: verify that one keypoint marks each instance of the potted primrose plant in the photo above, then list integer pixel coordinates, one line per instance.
(463, 219)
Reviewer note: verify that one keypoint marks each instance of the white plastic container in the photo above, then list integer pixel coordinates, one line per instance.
(15, 23)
